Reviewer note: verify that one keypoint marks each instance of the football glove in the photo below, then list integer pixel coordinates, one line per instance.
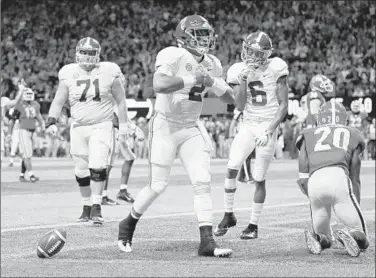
(303, 185)
(51, 127)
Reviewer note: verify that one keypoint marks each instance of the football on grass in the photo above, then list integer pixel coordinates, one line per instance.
(51, 243)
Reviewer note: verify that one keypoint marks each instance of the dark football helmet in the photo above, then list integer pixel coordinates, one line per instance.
(332, 112)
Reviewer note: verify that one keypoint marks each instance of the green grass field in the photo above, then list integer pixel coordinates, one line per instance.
(167, 238)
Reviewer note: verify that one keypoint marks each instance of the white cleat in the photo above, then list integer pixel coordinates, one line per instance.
(124, 246)
(348, 242)
(313, 244)
(222, 253)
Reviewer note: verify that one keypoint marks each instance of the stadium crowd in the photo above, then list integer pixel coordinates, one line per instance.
(339, 43)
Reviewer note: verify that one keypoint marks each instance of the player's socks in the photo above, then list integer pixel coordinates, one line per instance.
(203, 207)
(123, 186)
(230, 189)
(104, 193)
(256, 213)
(97, 199)
(86, 201)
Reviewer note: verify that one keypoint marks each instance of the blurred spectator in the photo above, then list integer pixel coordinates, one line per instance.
(372, 139)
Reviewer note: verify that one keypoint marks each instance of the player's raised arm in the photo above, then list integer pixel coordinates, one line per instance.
(18, 98)
(118, 93)
(354, 170)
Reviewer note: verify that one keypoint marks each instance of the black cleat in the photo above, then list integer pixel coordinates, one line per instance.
(33, 178)
(228, 221)
(22, 179)
(85, 216)
(123, 195)
(251, 232)
(209, 248)
(108, 202)
(96, 215)
(125, 236)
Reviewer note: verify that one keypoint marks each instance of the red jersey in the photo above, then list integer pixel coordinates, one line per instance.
(27, 113)
(358, 121)
(330, 145)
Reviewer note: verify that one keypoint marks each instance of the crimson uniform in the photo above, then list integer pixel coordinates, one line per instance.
(329, 150)
(27, 113)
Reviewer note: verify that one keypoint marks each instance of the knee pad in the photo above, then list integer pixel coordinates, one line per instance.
(202, 188)
(98, 174)
(158, 187)
(82, 182)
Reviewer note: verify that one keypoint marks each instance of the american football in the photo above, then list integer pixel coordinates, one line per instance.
(51, 243)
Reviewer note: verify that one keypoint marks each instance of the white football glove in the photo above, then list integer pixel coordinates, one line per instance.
(244, 74)
(264, 138)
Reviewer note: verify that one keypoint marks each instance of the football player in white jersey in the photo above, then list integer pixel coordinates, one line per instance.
(183, 75)
(263, 95)
(92, 89)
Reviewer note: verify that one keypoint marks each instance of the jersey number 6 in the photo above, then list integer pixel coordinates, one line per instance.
(86, 82)
(195, 93)
(258, 97)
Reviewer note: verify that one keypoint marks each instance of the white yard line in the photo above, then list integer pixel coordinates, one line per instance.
(52, 226)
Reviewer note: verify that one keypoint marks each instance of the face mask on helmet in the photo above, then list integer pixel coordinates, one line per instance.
(28, 95)
(254, 57)
(321, 84)
(201, 39)
(87, 55)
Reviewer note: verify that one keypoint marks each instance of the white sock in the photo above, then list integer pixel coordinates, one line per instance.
(97, 199)
(256, 212)
(30, 173)
(22, 174)
(11, 160)
(123, 186)
(229, 197)
(144, 199)
(104, 194)
(203, 206)
(86, 201)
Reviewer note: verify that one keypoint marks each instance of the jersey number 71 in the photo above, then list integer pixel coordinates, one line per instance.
(87, 83)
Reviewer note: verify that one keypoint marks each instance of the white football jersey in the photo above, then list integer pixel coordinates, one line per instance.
(4, 102)
(185, 104)
(90, 95)
(262, 85)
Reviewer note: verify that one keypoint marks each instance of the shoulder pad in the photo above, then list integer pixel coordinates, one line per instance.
(168, 56)
(279, 67)
(111, 68)
(4, 101)
(66, 71)
(233, 73)
(217, 65)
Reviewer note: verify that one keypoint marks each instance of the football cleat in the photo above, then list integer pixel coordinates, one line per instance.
(22, 179)
(208, 248)
(313, 244)
(228, 221)
(125, 246)
(108, 202)
(33, 178)
(96, 215)
(348, 242)
(251, 232)
(85, 216)
(123, 195)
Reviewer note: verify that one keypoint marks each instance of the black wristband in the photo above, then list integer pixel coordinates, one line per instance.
(50, 121)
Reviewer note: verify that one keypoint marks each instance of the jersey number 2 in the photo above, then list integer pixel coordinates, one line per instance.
(195, 93)
(341, 138)
(258, 97)
(86, 82)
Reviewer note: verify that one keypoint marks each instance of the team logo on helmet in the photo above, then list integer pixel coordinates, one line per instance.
(188, 67)
(321, 83)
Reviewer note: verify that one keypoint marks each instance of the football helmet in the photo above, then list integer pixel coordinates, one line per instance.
(332, 112)
(28, 95)
(322, 84)
(87, 52)
(355, 106)
(196, 34)
(256, 49)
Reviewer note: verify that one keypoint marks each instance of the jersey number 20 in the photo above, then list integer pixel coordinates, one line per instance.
(87, 83)
(341, 138)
